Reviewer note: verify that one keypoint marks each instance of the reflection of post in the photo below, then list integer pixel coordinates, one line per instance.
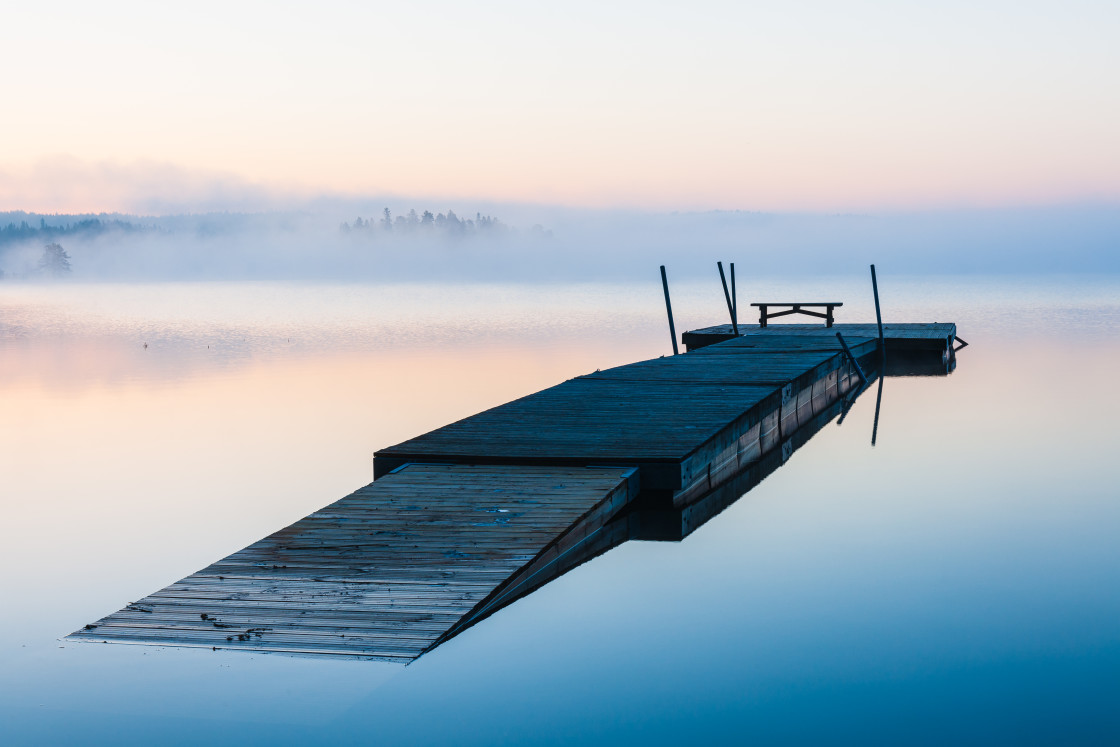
(878, 401)
(669, 310)
(845, 406)
(727, 298)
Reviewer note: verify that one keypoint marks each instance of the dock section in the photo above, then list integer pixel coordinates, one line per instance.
(675, 417)
(382, 573)
(906, 337)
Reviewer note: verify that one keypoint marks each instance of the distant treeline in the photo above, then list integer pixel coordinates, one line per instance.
(60, 227)
(448, 224)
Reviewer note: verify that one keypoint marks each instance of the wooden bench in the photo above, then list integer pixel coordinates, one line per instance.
(798, 308)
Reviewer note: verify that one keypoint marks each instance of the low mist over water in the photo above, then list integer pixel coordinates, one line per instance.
(366, 240)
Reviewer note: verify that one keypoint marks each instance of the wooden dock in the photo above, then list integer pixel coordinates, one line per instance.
(907, 337)
(463, 520)
(672, 417)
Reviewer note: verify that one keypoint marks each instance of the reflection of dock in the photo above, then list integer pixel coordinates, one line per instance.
(472, 516)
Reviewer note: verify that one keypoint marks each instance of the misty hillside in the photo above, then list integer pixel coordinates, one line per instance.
(18, 226)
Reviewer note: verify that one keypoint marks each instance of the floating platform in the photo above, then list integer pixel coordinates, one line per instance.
(466, 519)
(672, 417)
(907, 337)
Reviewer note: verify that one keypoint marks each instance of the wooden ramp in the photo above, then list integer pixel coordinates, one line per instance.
(384, 572)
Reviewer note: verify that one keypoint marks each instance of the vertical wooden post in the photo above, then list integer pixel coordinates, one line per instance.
(669, 310)
(734, 302)
(727, 297)
(878, 317)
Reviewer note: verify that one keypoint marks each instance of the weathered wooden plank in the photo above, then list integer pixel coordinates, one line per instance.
(290, 593)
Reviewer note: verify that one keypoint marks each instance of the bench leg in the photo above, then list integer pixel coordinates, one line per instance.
(762, 316)
(828, 319)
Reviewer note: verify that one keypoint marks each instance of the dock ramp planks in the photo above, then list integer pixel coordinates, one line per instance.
(385, 572)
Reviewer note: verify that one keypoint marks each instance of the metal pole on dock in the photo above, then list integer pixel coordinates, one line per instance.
(735, 303)
(878, 317)
(669, 310)
(727, 297)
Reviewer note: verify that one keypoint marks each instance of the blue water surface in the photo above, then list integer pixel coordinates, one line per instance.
(959, 582)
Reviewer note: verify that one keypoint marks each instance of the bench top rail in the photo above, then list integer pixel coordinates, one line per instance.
(798, 303)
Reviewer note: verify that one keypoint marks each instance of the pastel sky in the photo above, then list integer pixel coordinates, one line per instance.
(686, 105)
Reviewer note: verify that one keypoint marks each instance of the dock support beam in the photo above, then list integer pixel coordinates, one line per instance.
(727, 297)
(669, 310)
(852, 360)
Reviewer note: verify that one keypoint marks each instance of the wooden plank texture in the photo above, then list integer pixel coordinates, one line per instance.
(382, 573)
(666, 415)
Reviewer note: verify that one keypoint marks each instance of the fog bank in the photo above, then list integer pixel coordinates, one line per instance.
(540, 243)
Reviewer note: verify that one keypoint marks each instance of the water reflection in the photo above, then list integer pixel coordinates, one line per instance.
(851, 594)
(74, 335)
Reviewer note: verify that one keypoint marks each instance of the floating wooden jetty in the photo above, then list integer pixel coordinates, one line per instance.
(672, 417)
(463, 520)
(899, 338)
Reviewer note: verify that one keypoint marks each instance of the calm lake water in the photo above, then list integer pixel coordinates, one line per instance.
(957, 583)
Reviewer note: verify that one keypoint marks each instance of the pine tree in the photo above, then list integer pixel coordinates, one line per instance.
(55, 261)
